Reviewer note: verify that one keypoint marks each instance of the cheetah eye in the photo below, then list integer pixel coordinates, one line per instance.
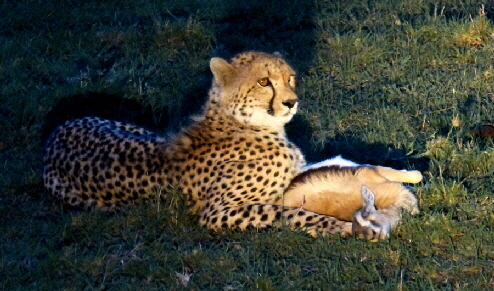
(264, 82)
(291, 81)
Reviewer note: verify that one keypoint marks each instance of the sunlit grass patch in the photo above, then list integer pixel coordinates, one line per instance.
(478, 32)
(462, 160)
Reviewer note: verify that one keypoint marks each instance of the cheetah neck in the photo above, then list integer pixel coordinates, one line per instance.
(220, 125)
(216, 119)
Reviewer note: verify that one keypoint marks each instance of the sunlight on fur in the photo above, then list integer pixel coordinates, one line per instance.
(346, 190)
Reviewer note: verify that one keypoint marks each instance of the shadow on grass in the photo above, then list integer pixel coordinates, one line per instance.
(260, 26)
(287, 27)
(355, 149)
(352, 148)
(104, 105)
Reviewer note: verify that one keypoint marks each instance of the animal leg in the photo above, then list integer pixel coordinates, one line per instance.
(372, 224)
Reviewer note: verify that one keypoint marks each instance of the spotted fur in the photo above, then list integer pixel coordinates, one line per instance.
(233, 162)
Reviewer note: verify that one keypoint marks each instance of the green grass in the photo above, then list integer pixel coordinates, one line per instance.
(390, 82)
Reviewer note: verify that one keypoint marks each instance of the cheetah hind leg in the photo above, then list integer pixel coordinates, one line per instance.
(372, 224)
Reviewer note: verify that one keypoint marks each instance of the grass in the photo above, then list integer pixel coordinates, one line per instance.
(390, 82)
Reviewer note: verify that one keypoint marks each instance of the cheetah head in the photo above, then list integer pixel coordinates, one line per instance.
(256, 88)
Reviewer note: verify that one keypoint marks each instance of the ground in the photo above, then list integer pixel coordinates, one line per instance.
(394, 83)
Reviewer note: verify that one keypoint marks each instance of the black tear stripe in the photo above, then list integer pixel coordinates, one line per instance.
(271, 102)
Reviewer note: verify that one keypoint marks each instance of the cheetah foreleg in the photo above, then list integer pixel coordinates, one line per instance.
(266, 215)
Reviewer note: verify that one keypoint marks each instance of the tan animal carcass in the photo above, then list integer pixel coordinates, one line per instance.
(339, 188)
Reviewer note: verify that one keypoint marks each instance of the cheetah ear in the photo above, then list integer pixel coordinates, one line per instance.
(222, 70)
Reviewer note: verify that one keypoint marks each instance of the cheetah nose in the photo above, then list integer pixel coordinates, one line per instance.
(290, 103)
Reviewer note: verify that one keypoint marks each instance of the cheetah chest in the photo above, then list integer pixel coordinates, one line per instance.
(237, 171)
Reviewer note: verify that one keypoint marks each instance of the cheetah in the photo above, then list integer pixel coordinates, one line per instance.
(233, 163)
